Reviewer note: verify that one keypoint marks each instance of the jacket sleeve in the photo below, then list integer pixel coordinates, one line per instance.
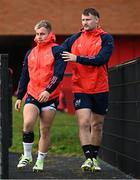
(24, 78)
(103, 55)
(59, 69)
(67, 44)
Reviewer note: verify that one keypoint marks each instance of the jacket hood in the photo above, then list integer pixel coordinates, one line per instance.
(95, 32)
(51, 38)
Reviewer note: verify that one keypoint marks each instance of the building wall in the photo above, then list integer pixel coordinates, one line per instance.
(19, 17)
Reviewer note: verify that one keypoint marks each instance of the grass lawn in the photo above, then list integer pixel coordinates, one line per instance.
(64, 134)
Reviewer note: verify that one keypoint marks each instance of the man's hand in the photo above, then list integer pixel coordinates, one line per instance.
(44, 96)
(18, 105)
(68, 56)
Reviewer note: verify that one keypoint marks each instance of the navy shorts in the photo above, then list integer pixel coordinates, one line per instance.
(52, 104)
(98, 103)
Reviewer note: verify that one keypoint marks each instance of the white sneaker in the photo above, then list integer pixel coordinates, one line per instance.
(24, 161)
(87, 165)
(38, 166)
(96, 166)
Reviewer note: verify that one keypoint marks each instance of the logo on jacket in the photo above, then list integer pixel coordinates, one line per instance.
(80, 45)
(32, 57)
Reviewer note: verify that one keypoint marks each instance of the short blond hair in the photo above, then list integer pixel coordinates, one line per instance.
(45, 24)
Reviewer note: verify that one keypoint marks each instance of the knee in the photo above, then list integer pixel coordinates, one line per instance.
(84, 124)
(97, 126)
(44, 132)
(28, 127)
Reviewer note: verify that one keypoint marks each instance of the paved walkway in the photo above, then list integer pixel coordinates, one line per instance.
(62, 167)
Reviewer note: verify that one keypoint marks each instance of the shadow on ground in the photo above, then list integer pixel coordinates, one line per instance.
(62, 167)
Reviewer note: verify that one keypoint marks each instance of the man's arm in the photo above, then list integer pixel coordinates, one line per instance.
(59, 69)
(24, 79)
(67, 44)
(102, 57)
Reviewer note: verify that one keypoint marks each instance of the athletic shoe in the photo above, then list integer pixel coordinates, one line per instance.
(87, 165)
(38, 166)
(24, 161)
(96, 166)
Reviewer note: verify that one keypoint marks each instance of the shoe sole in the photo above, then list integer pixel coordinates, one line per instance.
(22, 167)
(90, 169)
(93, 170)
(86, 169)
